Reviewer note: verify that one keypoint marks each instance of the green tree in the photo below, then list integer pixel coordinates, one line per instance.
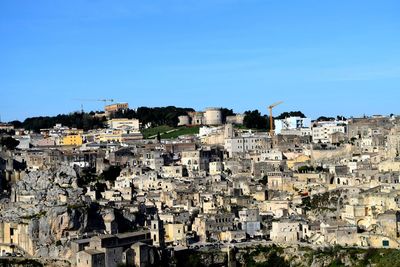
(78, 120)
(161, 115)
(341, 118)
(285, 115)
(254, 120)
(111, 173)
(323, 118)
(158, 137)
(264, 180)
(225, 113)
(9, 142)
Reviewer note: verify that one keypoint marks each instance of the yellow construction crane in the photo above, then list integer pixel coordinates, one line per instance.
(106, 100)
(95, 100)
(271, 119)
(99, 100)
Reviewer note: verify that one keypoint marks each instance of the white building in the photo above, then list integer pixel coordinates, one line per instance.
(216, 167)
(246, 143)
(298, 132)
(285, 231)
(132, 124)
(195, 160)
(291, 123)
(205, 130)
(272, 154)
(322, 132)
(152, 159)
(250, 221)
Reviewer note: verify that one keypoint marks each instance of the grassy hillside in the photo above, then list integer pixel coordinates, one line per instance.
(152, 132)
(167, 132)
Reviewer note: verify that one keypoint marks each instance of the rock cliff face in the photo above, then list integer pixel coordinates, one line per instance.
(52, 206)
(49, 209)
(325, 205)
(49, 188)
(40, 191)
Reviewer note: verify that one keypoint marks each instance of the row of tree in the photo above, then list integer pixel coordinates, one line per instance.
(8, 142)
(162, 115)
(80, 120)
(156, 116)
(147, 116)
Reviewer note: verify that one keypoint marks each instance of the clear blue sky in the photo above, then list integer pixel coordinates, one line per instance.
(320, 57)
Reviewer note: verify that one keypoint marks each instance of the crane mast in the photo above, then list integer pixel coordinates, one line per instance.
(271, 120)
(94, 100)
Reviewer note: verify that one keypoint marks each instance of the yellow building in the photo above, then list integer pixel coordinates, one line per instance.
(175, 233)
(13, 233)
(389, 166)
(116, 107)
(300, 159)
(110, 136)
(73, 131)
(378, 241)
(260, 195)
(117, 135)
(72, 140)
(237, 235)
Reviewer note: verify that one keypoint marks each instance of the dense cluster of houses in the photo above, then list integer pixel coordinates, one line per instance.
(320, 183)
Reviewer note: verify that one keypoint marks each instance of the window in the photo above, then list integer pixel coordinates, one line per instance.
(385, 243)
